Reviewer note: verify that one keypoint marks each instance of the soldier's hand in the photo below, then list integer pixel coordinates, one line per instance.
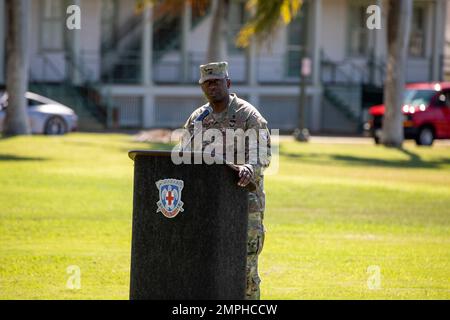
(245, 175)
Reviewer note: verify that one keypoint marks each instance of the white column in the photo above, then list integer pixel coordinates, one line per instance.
(2, 41)
(252, 69)
(316, 64)
(217, 42)
(316, 41)
(380, 38)
(380, 44)
(252, 60)
(146, 45)
(252, 64)
(438, 38)
(148, 111)
(254, 98)
(186, 28)
(75, 52)
(252, 72)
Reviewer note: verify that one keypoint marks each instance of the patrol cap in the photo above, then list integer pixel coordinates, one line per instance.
(213, 70)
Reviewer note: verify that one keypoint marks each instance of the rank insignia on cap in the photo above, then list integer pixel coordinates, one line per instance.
(213, 70)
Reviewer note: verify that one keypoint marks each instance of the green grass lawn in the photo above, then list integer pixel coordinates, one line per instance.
(332, 211)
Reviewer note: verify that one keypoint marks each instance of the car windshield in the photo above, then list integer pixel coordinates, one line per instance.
(417, 97)
(32, 102)
(33, 99)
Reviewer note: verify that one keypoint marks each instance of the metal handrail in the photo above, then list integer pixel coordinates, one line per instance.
(165, 26)
(80, 67)
(49, 62)
(129, 25)
(88, 87)
(364, 74)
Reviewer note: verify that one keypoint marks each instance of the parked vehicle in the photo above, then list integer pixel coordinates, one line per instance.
(46, 116)
(426, 109)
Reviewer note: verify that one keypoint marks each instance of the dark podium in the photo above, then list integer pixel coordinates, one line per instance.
(189, 230)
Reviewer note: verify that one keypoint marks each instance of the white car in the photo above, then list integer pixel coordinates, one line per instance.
(46, 116)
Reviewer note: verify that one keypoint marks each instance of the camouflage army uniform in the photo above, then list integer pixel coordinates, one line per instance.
(241, 114)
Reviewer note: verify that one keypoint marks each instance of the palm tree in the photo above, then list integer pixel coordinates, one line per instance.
(398, 26)
(16, 120)
(267, 17)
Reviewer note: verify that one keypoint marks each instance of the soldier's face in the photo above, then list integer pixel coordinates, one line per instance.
(216, 90)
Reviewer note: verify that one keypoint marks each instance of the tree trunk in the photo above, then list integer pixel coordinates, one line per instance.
(16, 120)
(398, 27)
(217, 47)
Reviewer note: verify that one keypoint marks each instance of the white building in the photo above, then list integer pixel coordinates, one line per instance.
(143, 67)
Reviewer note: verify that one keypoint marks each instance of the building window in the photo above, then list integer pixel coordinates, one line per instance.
(417, 36)
(359, 36)
(52, 35)
(297, 40)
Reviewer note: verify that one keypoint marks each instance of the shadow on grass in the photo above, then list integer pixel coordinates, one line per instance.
(10, 157)
(414, 160)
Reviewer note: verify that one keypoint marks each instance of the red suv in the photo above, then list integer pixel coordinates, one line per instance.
(426, 110)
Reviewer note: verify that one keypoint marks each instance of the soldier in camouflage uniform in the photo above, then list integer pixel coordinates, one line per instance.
(231, 112)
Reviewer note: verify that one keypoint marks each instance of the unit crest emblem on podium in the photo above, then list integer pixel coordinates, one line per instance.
(170, 203)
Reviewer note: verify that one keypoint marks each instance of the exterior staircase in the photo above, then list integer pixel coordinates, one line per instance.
(121, 58)
(340, 104)
(345, 87)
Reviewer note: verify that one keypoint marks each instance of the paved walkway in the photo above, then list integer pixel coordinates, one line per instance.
(164, 135)
(351, 140)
